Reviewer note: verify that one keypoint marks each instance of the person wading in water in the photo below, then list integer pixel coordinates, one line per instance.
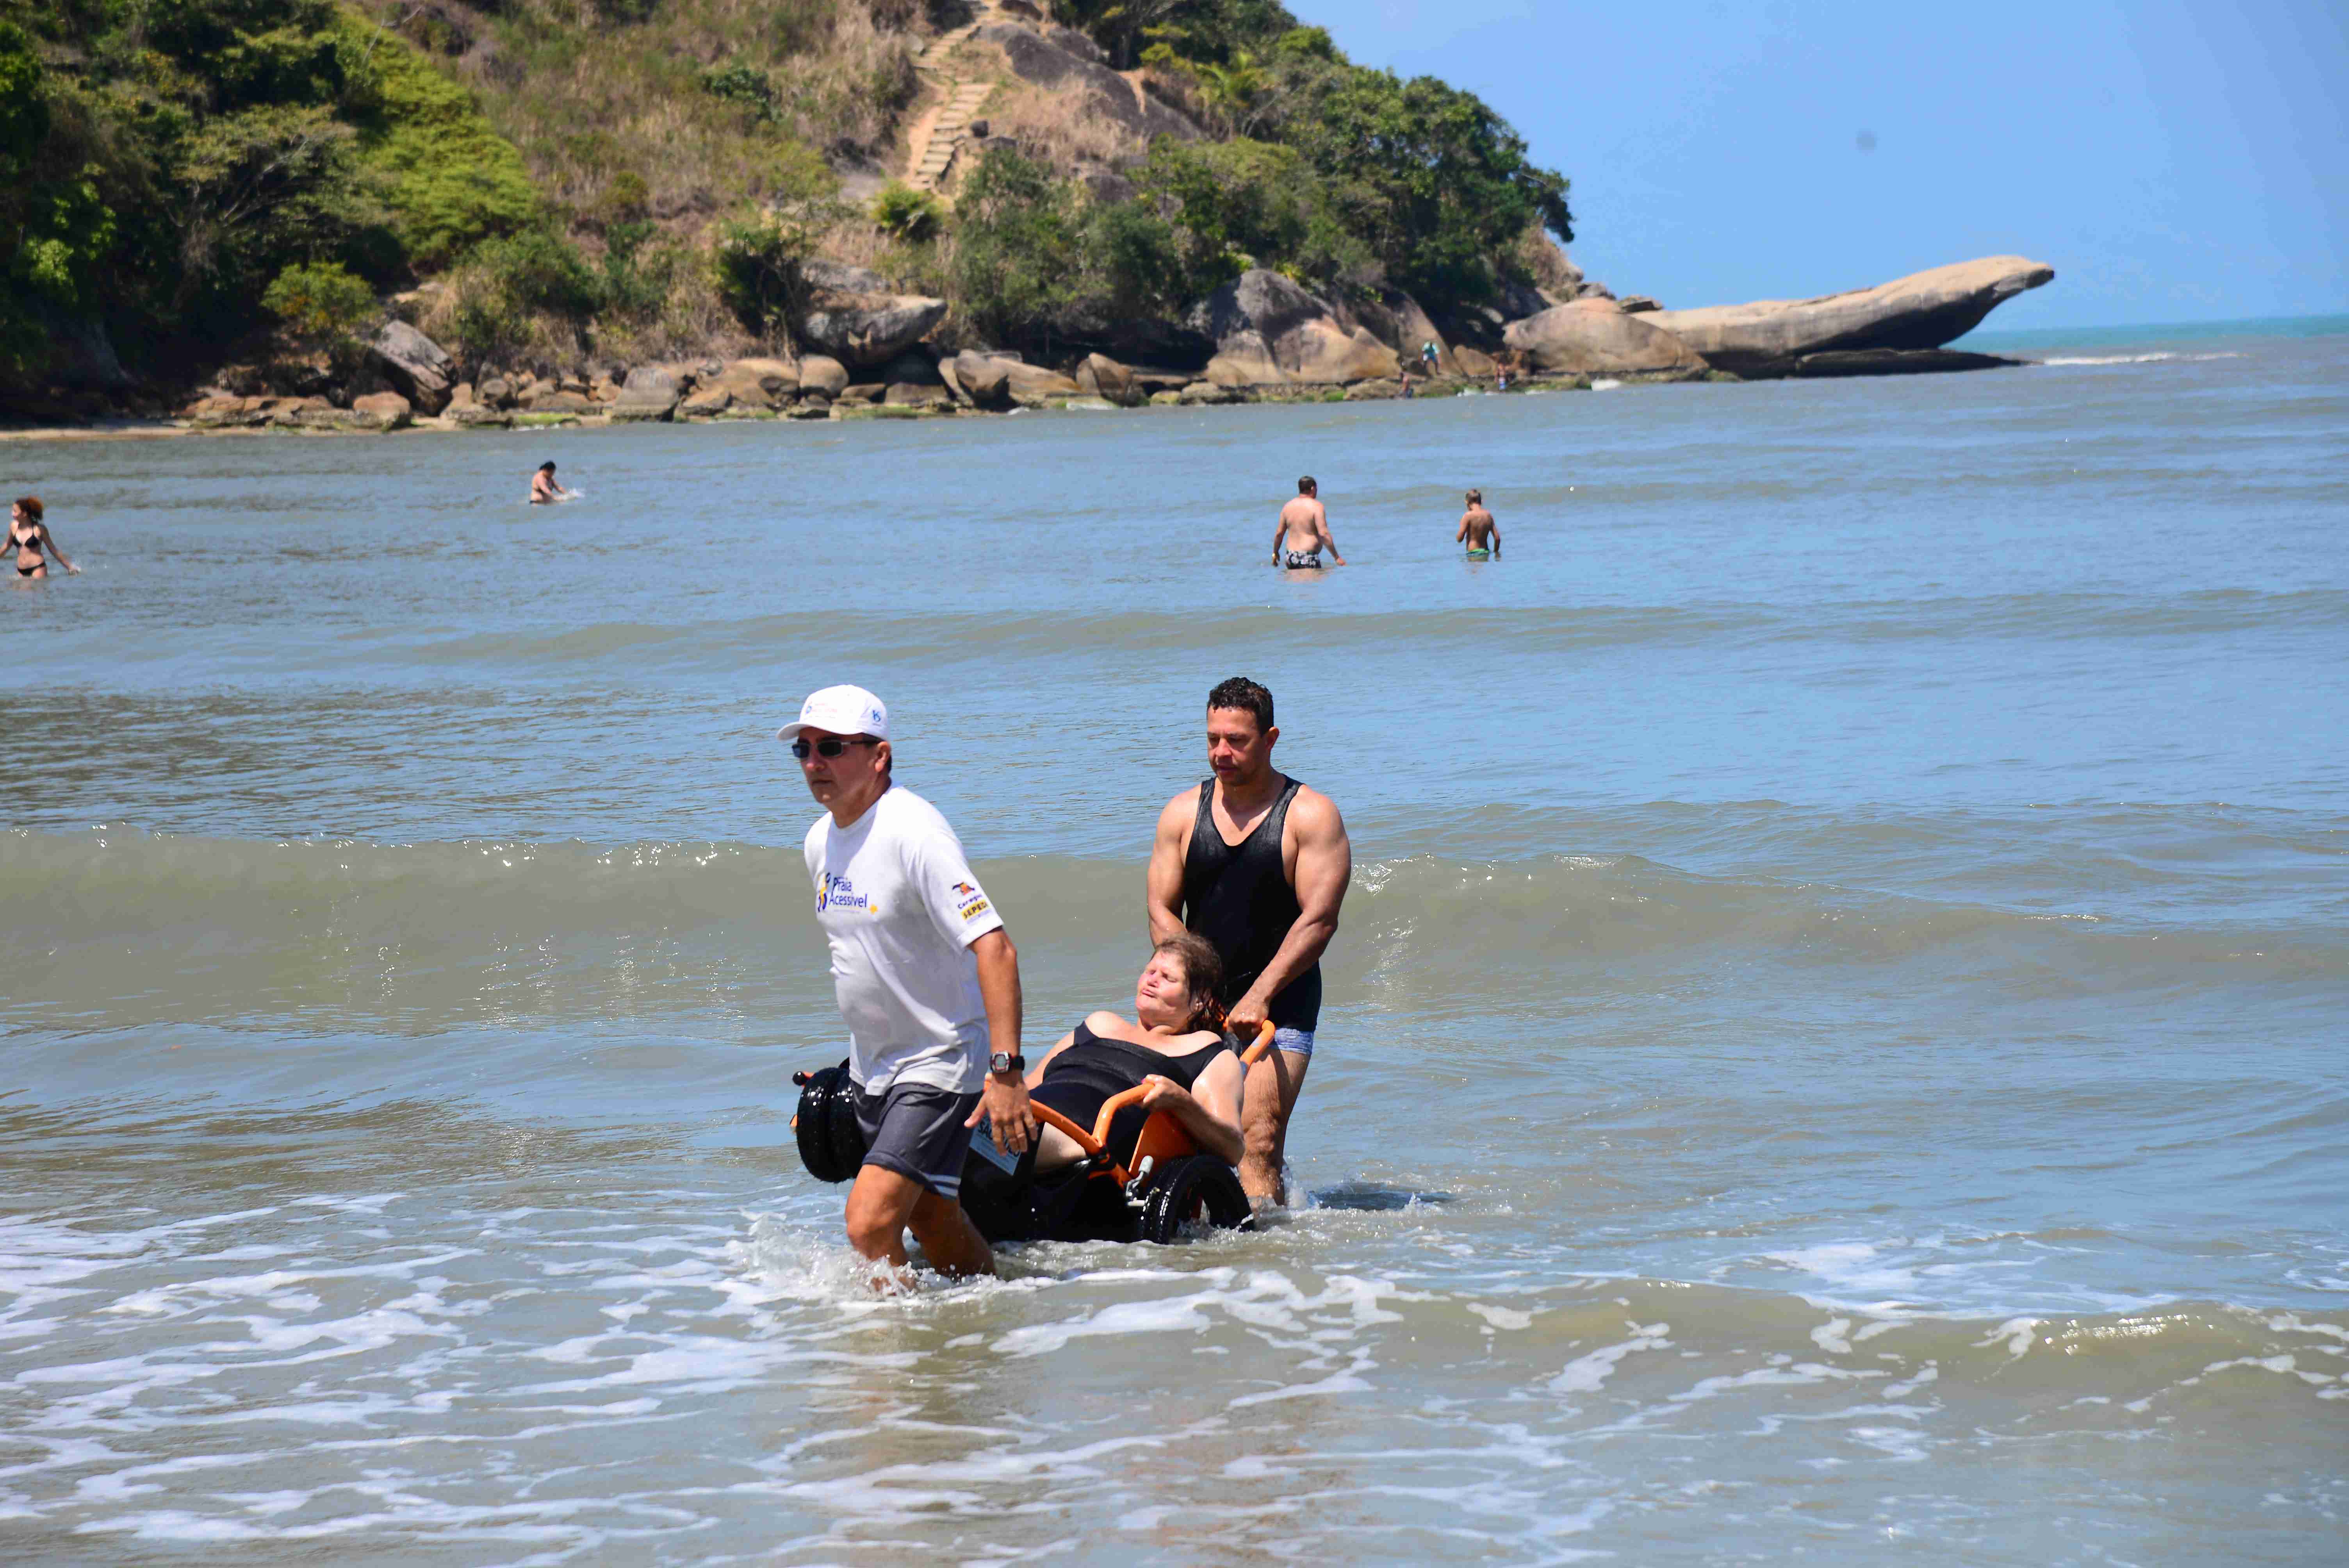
(1256, 863)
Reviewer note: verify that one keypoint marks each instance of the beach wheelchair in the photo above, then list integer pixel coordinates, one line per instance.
(1145, 1182)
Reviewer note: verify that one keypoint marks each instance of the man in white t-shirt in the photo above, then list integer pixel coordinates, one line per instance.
(926, 978)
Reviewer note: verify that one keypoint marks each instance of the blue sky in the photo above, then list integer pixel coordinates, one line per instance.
(2172, 162)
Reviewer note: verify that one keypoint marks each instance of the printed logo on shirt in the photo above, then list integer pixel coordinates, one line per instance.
(839, 893)
(969, 902)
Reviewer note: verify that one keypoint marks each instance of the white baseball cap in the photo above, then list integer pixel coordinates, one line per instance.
(842, 710)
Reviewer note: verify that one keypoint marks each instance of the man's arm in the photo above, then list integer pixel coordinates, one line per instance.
(1325, 862)
(1461, 533)
(1004, 1098)
(1279, 532)
(1495, 524)
(1163, 892)
(1321, 516)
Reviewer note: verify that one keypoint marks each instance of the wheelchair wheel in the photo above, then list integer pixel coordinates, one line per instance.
(1190, 1191)
(832, 1146)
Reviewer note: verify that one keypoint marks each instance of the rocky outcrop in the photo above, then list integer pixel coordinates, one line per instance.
(820, 372)
(990, 382)
(1270, 332)
(760, 383)
(477, 417)
(382, 412)
(1073, 66)
(853, 316)
(418, 368)
(1593, 337)
(1102, 377)
(1924, 309)
(704, 403)
(651, 393)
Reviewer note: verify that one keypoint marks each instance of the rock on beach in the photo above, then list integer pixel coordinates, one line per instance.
(1923, 310)
(1595, 337)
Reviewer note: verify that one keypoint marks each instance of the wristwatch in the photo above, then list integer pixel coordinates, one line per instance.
(1006, 1062)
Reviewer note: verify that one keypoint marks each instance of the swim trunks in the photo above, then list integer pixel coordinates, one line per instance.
(1302, 560)
(917, 1131)
(1297, 1042)
(1480, 555)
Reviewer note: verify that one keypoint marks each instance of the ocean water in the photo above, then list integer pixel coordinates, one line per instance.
(1834, 1050)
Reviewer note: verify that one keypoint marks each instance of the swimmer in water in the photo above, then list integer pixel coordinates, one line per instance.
(1478, 532)
(1303, 532)
(543, 489)
(29, 536)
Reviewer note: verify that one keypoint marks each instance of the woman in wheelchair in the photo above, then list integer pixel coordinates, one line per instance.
(1160, 1161)
(1172, 1050)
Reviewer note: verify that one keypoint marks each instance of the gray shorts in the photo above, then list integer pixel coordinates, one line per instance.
(917, 1131)
(1298, 1042)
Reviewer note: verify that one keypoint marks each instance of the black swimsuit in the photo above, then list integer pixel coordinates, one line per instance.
(1237, 896)
(1082, 1079)
(21, 543)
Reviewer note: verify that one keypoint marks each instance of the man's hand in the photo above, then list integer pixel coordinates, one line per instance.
(1246, 1015)
(1003, 1104)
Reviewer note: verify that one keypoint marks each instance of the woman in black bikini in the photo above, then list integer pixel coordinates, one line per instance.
(29, 536)
(1173, 1049)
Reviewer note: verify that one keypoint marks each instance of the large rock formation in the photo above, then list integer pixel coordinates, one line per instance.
(1269, 332)
(651, 393)
(1594, 338)
(1071, 64)
(418, 368)
(992, 383)
(1924, 309)
(853, 316)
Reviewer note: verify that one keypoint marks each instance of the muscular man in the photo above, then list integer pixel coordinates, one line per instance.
(1256, 863)
(1303, 531)
(1478, 532)
(926, 977)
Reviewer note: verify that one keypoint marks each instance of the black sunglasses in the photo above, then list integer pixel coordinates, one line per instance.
(830, 746)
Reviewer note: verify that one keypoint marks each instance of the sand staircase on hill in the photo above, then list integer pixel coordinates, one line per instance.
(938, 136)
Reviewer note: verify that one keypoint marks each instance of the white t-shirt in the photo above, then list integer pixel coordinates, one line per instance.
(901, 908)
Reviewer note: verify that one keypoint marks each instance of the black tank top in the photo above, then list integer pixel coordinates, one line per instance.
(1239, 898)
(1081, 1078)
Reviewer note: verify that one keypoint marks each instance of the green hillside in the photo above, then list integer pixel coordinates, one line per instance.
(606, 180)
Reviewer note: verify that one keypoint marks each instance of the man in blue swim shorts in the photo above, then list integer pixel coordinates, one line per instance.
(1256, 863)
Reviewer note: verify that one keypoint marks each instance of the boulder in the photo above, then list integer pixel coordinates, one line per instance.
(1374, 391)
(985, 380)
(564, 403)
(1474, 364)
(855, 318)
(224, 410)
(822, 372)
(993, 382)
(861, 392)
(496, 391)
(477, 417)
(651, 393)
(1269, 332)
(917, 394)
(298, 411)
(1200, 392)
(1924, 309)
(1633, 304)
(463, 393)
(417, 367)
(1395, 319)
(383, 411)
(1165, 396)
(1593, 337)
(1105, 378)
(603, 389)
(760, 383)
(707, 403)
(811, 406)
(1076, 71)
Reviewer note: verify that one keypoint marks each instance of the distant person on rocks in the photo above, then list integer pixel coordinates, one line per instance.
(1256, 863)
(1303, 532)
(1427, 356)
(544, 491)
(924, 975)
(29, 536)
(1478, 531)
